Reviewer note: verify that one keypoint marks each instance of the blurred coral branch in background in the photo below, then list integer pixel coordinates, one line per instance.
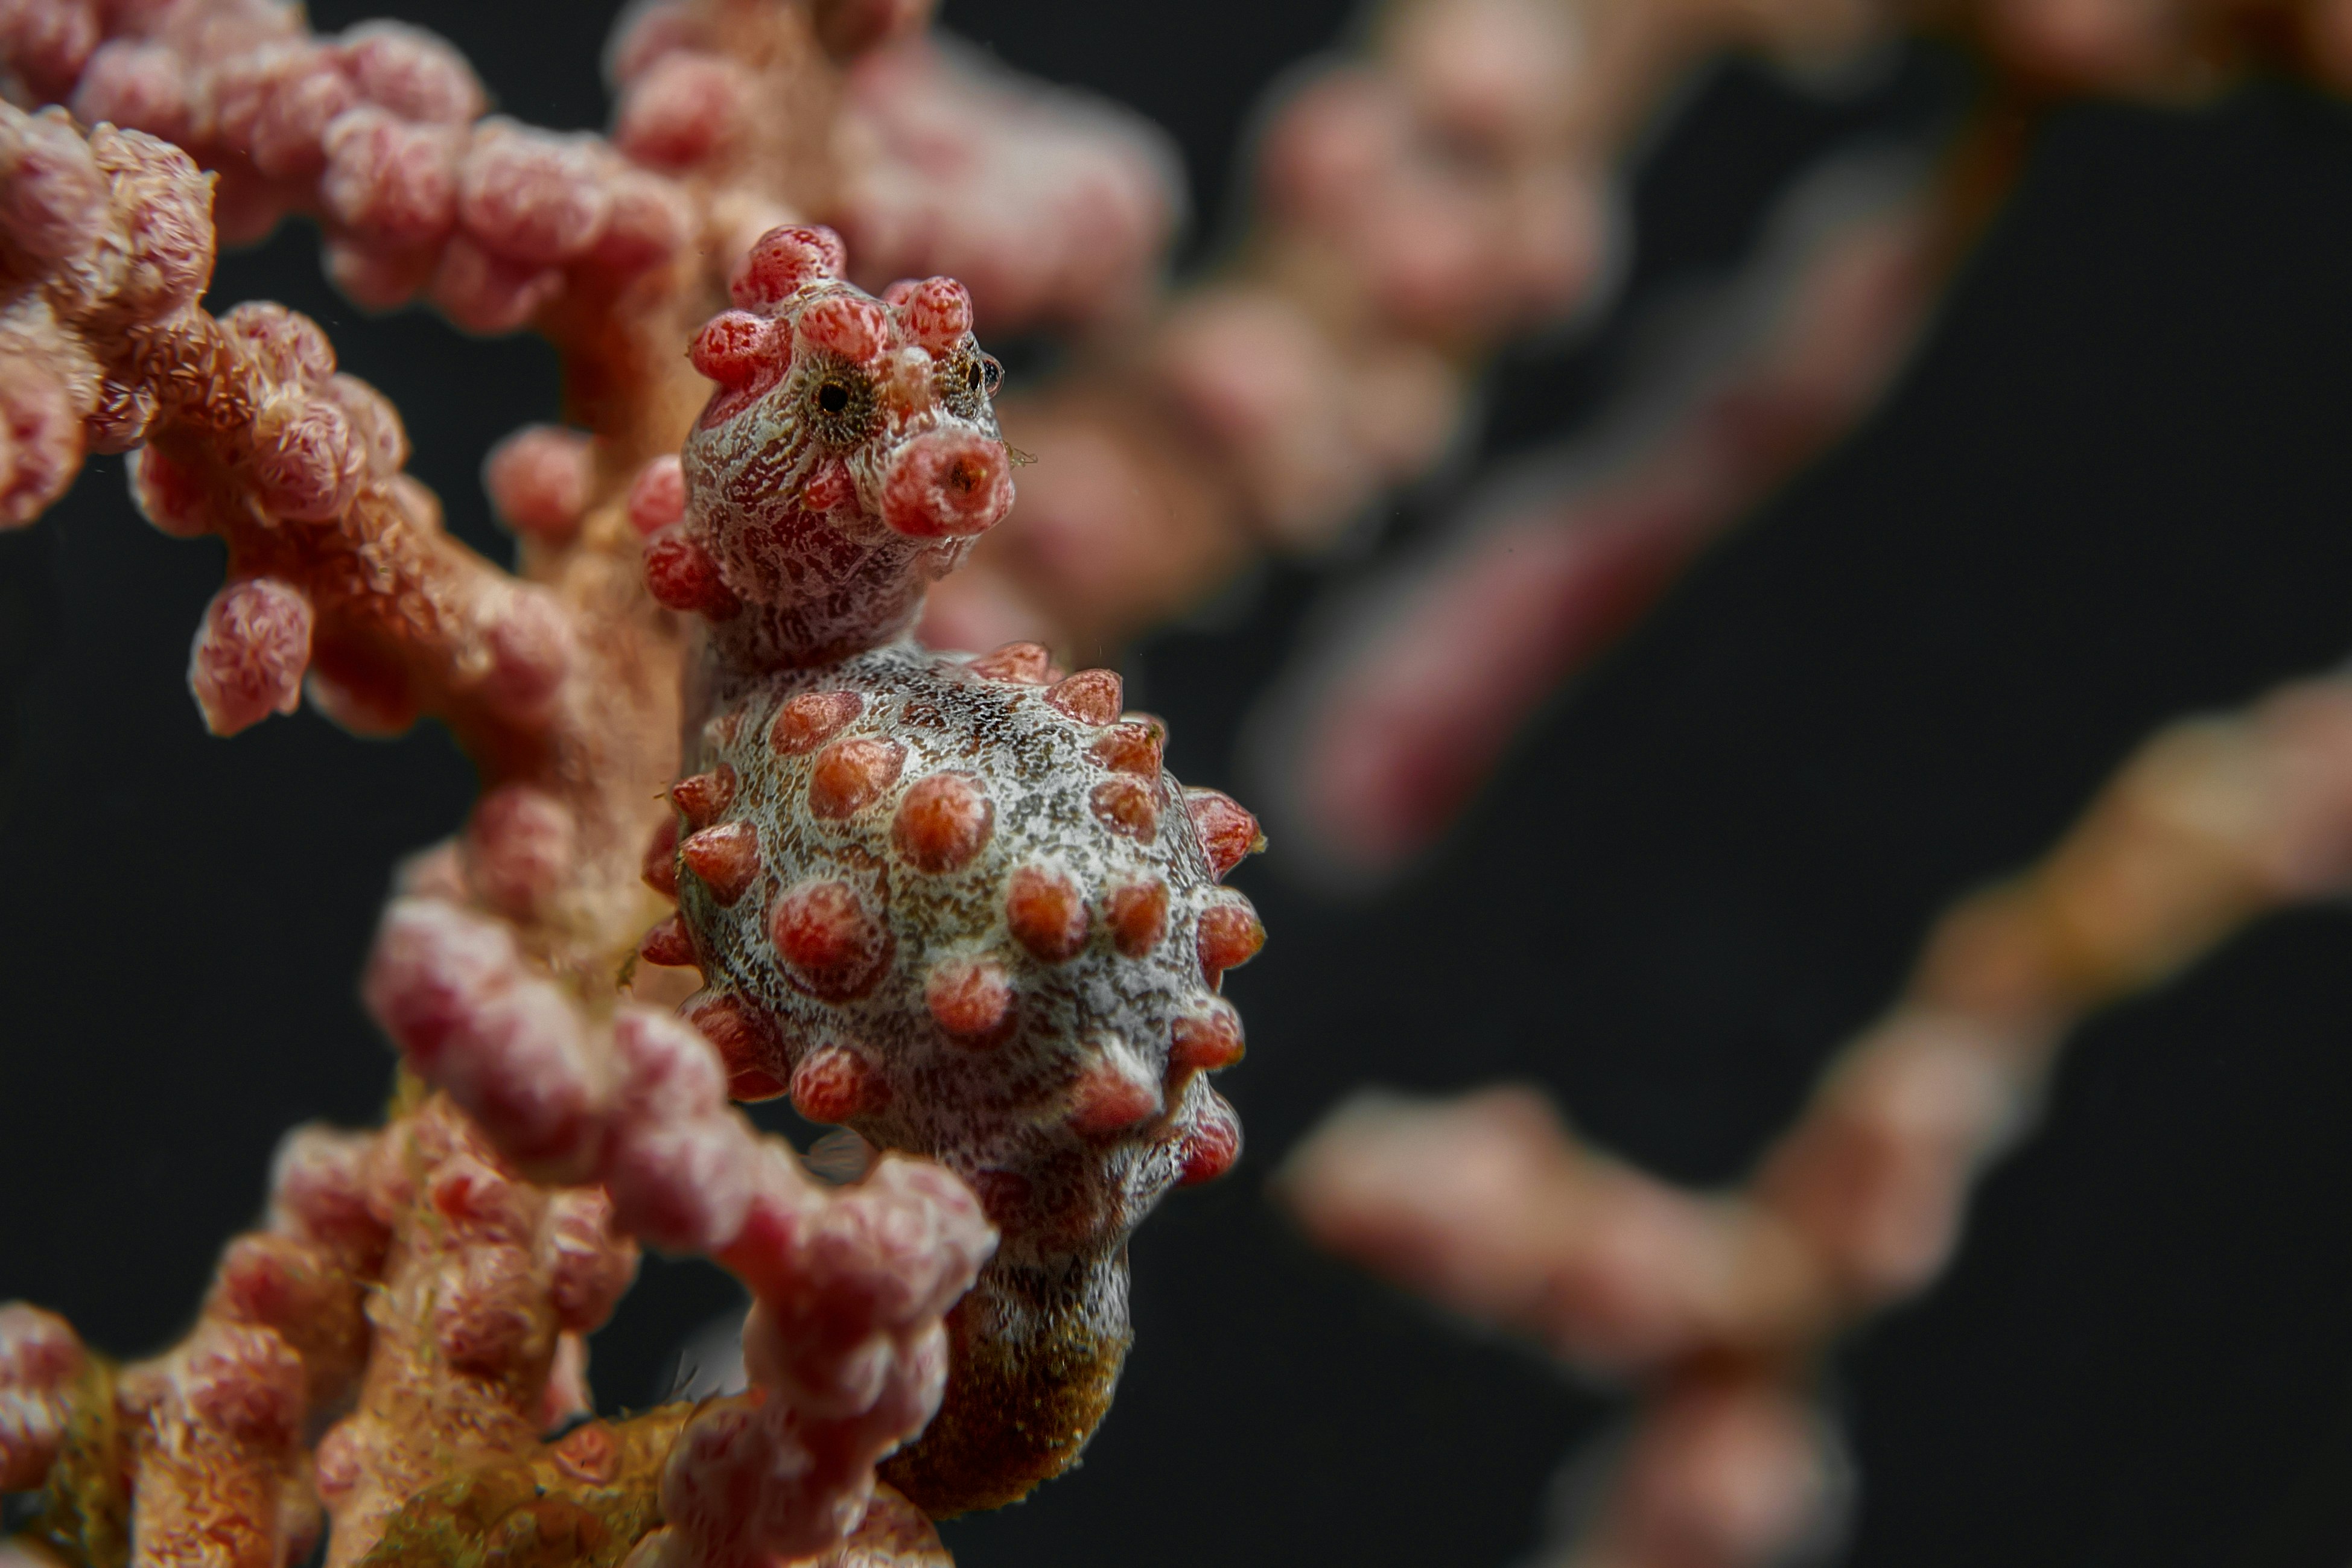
(1720, 1307)
(1383, 732)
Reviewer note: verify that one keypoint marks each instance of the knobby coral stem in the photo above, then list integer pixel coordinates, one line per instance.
(342, 580)
(845, 1347)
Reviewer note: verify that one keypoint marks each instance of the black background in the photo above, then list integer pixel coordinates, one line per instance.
(2111, 487)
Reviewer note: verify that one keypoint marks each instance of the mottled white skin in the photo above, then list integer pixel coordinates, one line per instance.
(987, 1111)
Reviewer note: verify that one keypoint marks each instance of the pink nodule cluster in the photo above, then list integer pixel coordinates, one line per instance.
(378, 132)
(108, 238)
(1054, 209)
(40, 1356)
(845, 1345)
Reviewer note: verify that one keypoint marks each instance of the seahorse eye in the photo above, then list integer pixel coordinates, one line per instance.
(839, 406)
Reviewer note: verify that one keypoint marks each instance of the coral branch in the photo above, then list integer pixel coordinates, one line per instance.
(849, 456)
(1419, 203)
(342, 582)
(1492, 1206)
(1374, 744)
(489, 1277)
(210, 1439)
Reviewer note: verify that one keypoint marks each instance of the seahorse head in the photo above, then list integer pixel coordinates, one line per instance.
(848, 456)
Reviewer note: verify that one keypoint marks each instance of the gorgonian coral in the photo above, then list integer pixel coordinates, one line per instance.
(399, 1355)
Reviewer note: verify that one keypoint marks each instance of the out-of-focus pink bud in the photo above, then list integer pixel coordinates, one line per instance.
(317, 1188)
(782, 260)
(167, 210)
(40, 1355)
(481, 1319)
(537, 481)
(376, 276)
(532, 648)
(168, 496)
(450, 989)
(285, 346)
(306, 465)
(518, 845)
(144, 85)
(52, 197)
(273, 104)
(486, 293)
(682, 108)
(375, 423)
(647, 30)
(594, 1263)
(391, 179)
(1049, 206)
(40, 440)
(658, 495)
(1497, 76)
(250, 654)
(38, 1351)
(46, 43)
(648, 222)
(245, 1383)
(1735, 1472)
(412, 72)
(530, 196)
